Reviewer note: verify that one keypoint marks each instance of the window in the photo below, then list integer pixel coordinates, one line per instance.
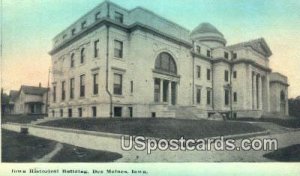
(131, 86)
(118, 52)
(63, 91)
(198, 72)
(117, 84)
(226, 75)
(157, 90)
(235, 97)
(73, 31)
(61, 112)
(208, 74)
(53, 113)
(97, 15)
(96, 48)
(208, 96)
(94, 111)
(118, 111)
(79, 112)
(234, 74)
(130, 112)
(82, 55)
(82, 85)
(72, 88)
(95, 84)
(208, 53)
(234, 55)
(165, 62)
(119, 17)
(198, 49)
(70, 112)
(72, 63)
(83, 24)
(226, 94)
(198, 95)
(226, 55)
(54, 93)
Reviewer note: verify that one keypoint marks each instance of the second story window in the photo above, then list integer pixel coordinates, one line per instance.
(208, 97)
(234, 55)
(208, 74)
(198, 71)
(83, 25)
(131, 86)
(198, 96)
(226, 55)
(54, 93)
(226, 75)
(82, 55)
(73, 31)
(234, 74)
(117, 84)
(72, 63)
(235, 97)
(63, 91)
(82, 85)
(72, 86)
(96, 48)
(198, 49)
(226, 94)
(208, 53)
(118, 51)
(119, 17)
(95, 84)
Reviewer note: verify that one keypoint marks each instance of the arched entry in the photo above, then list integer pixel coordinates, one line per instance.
(165, 86)
(282, 102)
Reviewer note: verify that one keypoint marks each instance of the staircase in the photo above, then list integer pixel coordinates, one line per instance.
(46, 119)
(188, 112)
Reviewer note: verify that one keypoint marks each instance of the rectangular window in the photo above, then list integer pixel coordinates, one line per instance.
(117, 84)
(208, 97)
(63, 91)
(83, 24)
(118, 111)
(61, 113)
(96, 48)
(208, 53)
(82, 85)
(198, 72)
(226, 94)
(73, 31)
(235, 97)
(95, 84)
(94, 111)
(72, 84)
(97, 15)
(198, 49)
(234, 74)
(130, 112)
(54, 93)
(226, 75)
(79, 112)
(208, 74)
(119, 17)
(131, 86)
(226, 55)
(198, 96)
(118, 52)
(72, 60)
(70, 112)
(157, 90)
(234, 55)
(53, 113)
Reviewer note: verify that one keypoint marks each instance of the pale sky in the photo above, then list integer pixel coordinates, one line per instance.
(29, 26)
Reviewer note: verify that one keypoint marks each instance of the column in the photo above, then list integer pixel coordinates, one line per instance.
(250, 88)
(169, 93)
(161, 90)
(254, 91)
(260, 92)
(268, 92)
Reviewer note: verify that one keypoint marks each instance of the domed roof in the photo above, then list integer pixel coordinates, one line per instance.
(207, 33)
(206, 28)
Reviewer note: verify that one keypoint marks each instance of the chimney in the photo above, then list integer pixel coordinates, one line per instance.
(40, 84)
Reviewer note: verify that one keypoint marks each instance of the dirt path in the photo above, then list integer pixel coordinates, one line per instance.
(50, 155)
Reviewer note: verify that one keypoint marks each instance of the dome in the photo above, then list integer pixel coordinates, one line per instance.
(207, 33)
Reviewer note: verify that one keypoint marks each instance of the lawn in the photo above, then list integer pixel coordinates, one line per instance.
(290, 153)
(156, 127)
(18, 147)
(20, 118)
(289, 123)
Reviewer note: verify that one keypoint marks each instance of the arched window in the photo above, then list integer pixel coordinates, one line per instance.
(72, 59)
(165, 62)
(282, 96)
(82, 55)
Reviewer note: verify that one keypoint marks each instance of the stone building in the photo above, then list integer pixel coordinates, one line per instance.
(114, 62)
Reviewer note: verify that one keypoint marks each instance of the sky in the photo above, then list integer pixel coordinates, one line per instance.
(28, 27)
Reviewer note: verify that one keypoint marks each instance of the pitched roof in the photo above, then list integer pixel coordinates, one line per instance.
(258, 45)
(13, 94)
(32, 90)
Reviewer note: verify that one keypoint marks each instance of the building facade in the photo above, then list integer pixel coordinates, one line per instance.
(115, 62)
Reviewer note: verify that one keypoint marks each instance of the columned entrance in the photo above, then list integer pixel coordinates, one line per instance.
(165, 91)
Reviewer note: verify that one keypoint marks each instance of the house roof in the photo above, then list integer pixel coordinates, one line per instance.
(32, 90)
(13, 94)
(259, 45)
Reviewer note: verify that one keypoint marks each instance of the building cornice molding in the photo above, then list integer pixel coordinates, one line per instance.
(280, 82)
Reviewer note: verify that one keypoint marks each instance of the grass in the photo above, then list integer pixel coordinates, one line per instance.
(290, 153)
(160, 128)
(20, 118)
(18, 147)
(289, 123)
